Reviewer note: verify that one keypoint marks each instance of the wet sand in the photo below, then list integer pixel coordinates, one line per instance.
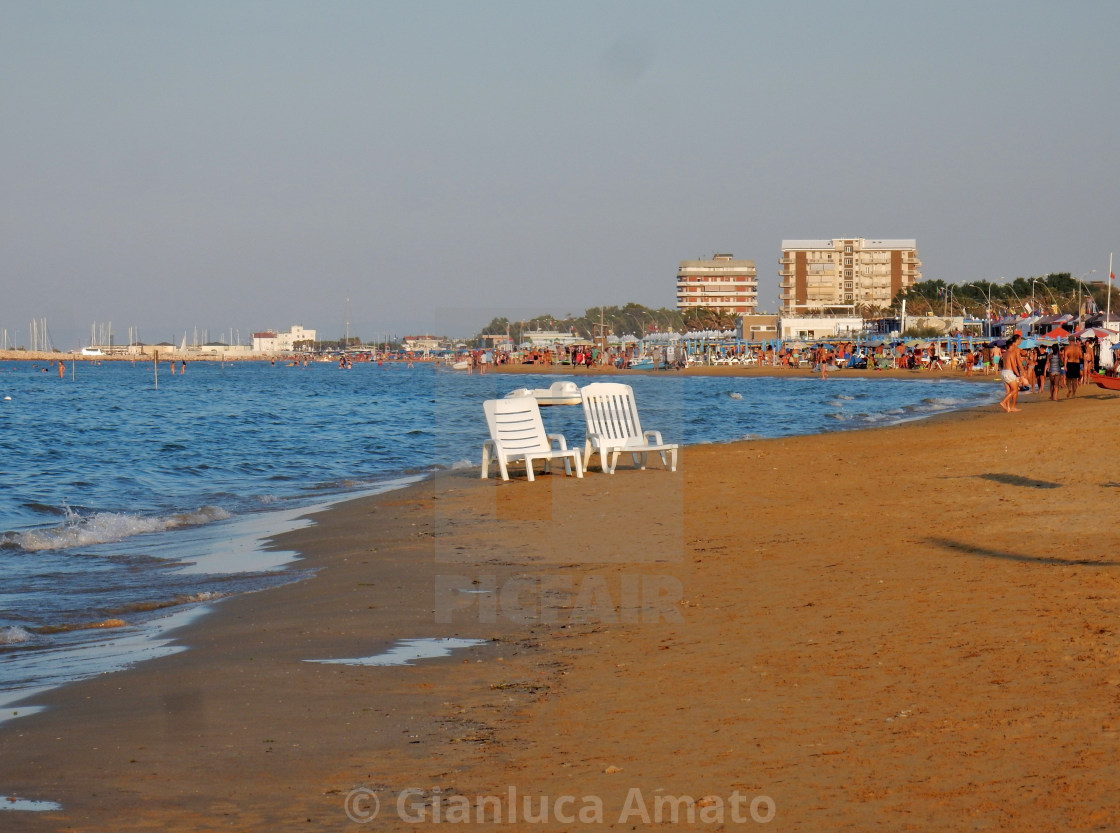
(906, 628)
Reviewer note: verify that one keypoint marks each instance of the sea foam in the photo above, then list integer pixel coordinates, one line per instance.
(107, 527)
(14, 635)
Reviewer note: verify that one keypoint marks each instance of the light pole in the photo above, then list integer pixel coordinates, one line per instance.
(988, 309)
(1080, 284)
(1018, 300)
(1053, 300)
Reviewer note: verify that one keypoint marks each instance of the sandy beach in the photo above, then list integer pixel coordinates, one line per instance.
(905, 628)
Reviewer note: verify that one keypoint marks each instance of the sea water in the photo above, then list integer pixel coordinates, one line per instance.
(131, 495)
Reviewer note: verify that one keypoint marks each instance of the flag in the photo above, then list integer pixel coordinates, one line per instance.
(1112, 276)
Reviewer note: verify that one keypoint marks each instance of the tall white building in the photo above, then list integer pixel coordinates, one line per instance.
(721, 283)
(845, 273)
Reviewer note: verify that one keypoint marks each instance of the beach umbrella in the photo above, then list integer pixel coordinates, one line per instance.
(1028, 342)
(1093, 332)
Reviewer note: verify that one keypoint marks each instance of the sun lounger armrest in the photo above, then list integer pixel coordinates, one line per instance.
(559, 438)
(655, 436)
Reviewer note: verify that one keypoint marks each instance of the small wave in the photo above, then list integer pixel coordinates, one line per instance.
(844, 396)
(106, 527)
(184, 599)
(734, 395)
(82, 626)
(14, 635)
(45, 509)
(462, 464)
(837, 416)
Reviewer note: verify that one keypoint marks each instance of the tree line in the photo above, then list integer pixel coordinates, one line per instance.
(1058, 292)
(628, 320)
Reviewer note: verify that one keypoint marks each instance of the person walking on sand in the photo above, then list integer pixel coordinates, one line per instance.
(1012, 370)
(1072, 356)
(1054, 371)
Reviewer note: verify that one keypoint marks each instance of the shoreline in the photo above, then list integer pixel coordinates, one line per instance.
(179, 735)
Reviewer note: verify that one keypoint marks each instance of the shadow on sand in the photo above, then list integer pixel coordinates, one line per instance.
(1016, 480)
(972, 549)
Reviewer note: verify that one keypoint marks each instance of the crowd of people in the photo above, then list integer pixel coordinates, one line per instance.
(1027, 370)
(1065, 366)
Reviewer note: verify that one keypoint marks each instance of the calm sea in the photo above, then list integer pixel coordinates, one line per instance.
(127, 497)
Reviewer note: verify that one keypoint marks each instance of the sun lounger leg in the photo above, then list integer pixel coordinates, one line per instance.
(486, 459)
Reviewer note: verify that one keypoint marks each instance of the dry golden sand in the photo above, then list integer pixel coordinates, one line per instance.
(909, 628)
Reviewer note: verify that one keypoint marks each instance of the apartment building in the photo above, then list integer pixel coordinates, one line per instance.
(722, 283)
(845, 273)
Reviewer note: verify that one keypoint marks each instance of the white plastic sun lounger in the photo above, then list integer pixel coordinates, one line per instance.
(517, 433)
(613, 428)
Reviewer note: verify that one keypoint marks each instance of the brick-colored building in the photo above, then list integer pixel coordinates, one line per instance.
(845, 273)
(722, 283)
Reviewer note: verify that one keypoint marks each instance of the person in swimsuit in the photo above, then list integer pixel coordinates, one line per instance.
(1012, 370)
(1072, 355)
(1054, 370)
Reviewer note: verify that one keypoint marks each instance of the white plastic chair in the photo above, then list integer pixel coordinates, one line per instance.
(613, 427)
(517, 432)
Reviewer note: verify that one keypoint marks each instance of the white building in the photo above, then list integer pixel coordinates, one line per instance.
(423, 344)
(816, 327)
(274, 342)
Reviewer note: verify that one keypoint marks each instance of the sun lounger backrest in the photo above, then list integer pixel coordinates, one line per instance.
(610, 410)
(515, 425)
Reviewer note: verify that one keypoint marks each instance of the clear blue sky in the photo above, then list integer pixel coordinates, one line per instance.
(244, 165)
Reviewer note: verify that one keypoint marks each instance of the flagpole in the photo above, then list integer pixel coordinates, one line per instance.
(1108, 305)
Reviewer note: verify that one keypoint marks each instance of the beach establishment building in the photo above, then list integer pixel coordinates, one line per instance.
(812, 327)
(722, 283)
(757, 327)
(845, 273)
(549, 338)
(424, 344)
(275, 342)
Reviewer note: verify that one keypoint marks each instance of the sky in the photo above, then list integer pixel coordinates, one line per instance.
(391, 168)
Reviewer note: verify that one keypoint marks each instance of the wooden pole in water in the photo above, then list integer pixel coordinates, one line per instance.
(155, 367)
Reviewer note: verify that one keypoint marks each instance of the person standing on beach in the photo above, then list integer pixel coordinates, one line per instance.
(1012, 370)
(1072, 355)
(1054, 371)
(1088, 360)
